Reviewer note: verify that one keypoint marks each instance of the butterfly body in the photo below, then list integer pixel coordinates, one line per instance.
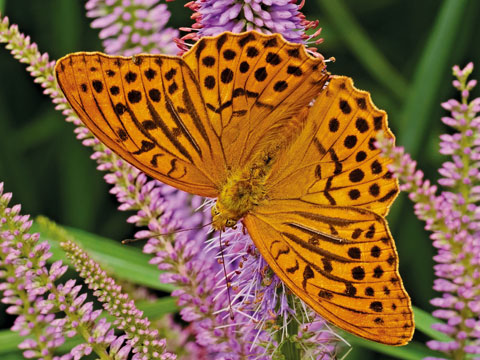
(258, 124)
(242, 191)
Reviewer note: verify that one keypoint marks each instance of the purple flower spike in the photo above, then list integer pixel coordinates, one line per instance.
(132, 27)
(141, 337)
(32, 281)
(32, 294)
(214, 17)
(452, 217)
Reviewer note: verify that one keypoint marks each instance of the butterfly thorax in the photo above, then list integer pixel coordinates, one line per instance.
(245, 188)
(242, 191)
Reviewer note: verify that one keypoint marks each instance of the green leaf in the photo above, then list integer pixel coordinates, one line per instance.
(9, 341)
(414, 350)
(13, 356)
(428, 77)
(125, 262)
(156, 309)
(363, 48)
(411, 351)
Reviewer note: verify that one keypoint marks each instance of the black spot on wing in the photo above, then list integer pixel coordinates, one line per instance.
(270, 43)
(200, 47)
(246, 39)
(97, 85)
(145, 147)
(221, 41)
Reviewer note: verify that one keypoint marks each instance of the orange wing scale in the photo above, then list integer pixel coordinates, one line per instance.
(322, 228)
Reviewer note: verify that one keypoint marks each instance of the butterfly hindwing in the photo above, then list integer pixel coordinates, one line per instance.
(334, 161)
(339, 260)
(149, 111)
(252, 85)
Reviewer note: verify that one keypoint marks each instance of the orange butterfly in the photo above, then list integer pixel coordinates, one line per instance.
(259, 124)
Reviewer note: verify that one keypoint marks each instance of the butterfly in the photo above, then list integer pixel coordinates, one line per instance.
(288, 149)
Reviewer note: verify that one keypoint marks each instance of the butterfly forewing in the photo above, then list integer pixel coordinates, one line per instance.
(252, 84)
(145, 112)
(334, 161)
(339, 260)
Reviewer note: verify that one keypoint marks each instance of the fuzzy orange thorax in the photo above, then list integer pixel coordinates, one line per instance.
(240, 193)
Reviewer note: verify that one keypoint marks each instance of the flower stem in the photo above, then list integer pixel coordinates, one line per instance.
(289, 345)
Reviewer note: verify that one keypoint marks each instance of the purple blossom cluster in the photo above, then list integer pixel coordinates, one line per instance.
(453, 218)
(140, 336)
(25, 280)
(262, 297)
(130, 27)
(263, 310)
(28, 288)
(213, 17)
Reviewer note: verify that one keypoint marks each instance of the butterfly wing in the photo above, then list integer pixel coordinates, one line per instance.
(149, 111)
(253, 84)
(334, 160)
(189, 121)
(322, 229)
(341, 261)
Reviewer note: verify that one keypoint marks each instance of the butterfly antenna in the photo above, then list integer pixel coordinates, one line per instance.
(226, 279)
(127, 241)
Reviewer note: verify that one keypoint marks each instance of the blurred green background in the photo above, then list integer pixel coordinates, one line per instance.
(401, 51)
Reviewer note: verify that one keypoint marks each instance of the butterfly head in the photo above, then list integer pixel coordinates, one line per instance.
(222, 218)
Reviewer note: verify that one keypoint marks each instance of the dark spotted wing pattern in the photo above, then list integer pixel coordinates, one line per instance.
(149, 110)
(252, 84)
(339, 260)
(242, 104)
(336, 162)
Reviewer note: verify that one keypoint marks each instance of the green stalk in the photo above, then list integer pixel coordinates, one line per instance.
(363, 48)
(432, 65)
(289, 346)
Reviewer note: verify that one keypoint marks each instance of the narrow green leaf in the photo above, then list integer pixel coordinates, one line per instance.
(412, 351)
(364, 49)
(13, 356)
(9, 341)
(127, 263)
(156, 309)
(428, 77)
